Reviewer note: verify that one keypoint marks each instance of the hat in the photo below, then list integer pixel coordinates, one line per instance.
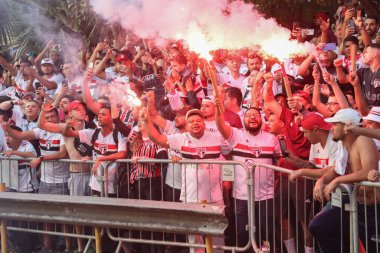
(314, 120)
(374, 114)
(208, 99)
(303, 94)
(74, 104)
(47, 61)
(31, 94)
(346, 116)
(122, 57)
(193, 112)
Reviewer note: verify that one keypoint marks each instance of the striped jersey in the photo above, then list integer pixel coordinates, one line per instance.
(200, 182)
(103, 146)
(253, 149)
(50, 143)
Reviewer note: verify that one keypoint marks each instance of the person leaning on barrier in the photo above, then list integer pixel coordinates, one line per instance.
(323, 149)
(79, 172)
(251, 145)
(293, 199)
(54, 175)
(355, 158)
(108, 145)
(200, 182)
(27, 181)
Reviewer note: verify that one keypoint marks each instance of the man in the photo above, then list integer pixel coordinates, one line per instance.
(108, 145)
(366, 80)
(231, 75)
(359, 155)
(23, 78)
(54, 175)
(78, 182)
(282, 124)
(371, 25)
(208, 109)
(323, 148)
(27, 181)
(232, 101)
(49, 80)
(251, 145)
(200, 182)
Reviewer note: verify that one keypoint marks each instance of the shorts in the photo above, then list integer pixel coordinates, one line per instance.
(53, 188)
(79, 184)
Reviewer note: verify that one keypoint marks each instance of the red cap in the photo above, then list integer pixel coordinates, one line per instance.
(315, 120)
(74, 104)
(122, 57)
(303, 94)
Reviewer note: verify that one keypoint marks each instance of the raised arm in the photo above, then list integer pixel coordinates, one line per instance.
(42, 54)
(26, 135)
(269, 100)
(360, 100)
(316, 95)
(99, 69)
(343, 103)
(156, 118)
(303, 69)
(224, 129)
(153, 134)
(8, 66)
(90, 102)
(43, 124)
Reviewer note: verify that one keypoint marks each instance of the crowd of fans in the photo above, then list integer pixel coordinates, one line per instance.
(141, 100)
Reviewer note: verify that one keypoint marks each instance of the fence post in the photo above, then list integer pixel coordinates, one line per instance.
(3, 233)
(209, 248)
(98, 240)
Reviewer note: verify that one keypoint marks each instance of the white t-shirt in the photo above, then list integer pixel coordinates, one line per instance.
(103, 146)
(173, 173)
(324, 157)
(251, 150)
(226, 78)
(57, 78)
(22, 170)
(50, 143)
(20, 82)
(200, 182)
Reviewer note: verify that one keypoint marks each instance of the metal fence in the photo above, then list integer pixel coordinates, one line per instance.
(264, 210)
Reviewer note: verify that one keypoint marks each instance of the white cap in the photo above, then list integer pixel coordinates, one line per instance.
(346, 116)
(208, 99)
(374, 114)
(276, 68)
(47, 61)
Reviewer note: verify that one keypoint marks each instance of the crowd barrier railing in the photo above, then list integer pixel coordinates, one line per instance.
(135, 190)
(276, 209)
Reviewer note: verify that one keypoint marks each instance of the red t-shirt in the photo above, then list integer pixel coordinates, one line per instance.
(296, 142)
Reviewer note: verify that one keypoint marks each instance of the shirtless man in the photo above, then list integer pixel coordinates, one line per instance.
(79, 172)
(330, 227)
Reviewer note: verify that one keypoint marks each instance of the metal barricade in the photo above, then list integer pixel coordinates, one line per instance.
(165, 192)
(365, 207)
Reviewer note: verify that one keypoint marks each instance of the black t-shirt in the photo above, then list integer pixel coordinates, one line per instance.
(370, 83)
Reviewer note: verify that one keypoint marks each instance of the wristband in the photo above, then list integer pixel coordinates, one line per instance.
(41, 157)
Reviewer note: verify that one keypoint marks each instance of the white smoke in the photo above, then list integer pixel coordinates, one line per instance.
(203, 24)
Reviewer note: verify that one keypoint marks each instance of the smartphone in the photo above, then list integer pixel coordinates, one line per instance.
(351, 23)
(282, 143)
(308, 31)
(329, 47)
(37, 84)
